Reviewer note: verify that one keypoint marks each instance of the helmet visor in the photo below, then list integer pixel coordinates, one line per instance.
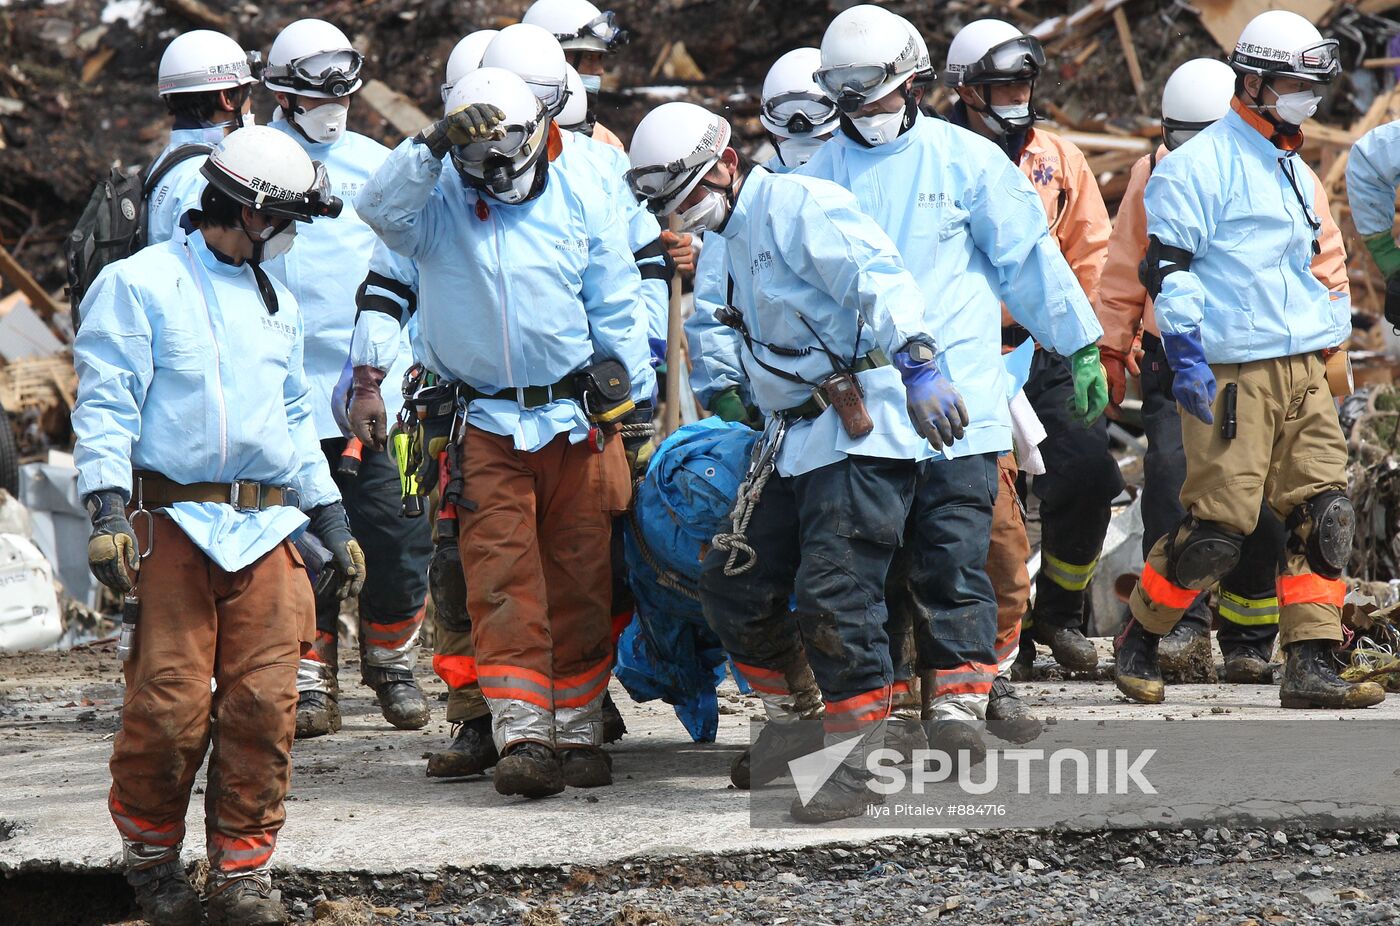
(656, 183)
(512, 142)
(1020, 58)
(848, 82)
(552, 92)
(798, 113)
(334, 73)
(1320, 62)
(604, 28)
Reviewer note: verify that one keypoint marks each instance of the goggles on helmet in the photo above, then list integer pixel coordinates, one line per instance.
(655, 183)
(334, 73)
(512, 142)
(798, 112)
(1015, 59)
(1318, 63)
(274, 201)
(604, 28)
(850, 85)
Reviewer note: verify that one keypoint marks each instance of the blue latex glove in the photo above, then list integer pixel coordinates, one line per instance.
(658, 351)
(935, 407)
(1193, 385)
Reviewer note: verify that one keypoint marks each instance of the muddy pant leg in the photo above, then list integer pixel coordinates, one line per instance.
(946, 543)
(165, 711)
(454, 657)
(263, 612)
(1248, 602)
(1007, 552)
(320, 662)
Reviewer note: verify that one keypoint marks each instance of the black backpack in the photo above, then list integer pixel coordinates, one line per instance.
(113, 225)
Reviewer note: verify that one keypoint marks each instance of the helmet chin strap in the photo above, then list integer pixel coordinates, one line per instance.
(911, 112)
(1265, 110)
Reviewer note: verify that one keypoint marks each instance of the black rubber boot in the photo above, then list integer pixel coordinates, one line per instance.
(1071, 649)
(777, 745)
(164, 895)
(401, 701)
(1023, 668)
(1310, 680)
(905, 736)
(1008, 718)
(585, 766)
(1184, 652)
(614, 727)
(530, 770)
(1137, 673)
(317, 714)
(247, 902)
(472, 751)
(955, 737)
(841, 797)
(1244, 665)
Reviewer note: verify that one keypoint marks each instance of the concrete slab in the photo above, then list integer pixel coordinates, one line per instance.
(360, 800)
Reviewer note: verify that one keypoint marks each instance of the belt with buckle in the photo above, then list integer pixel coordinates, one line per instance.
(818, 403)
(156, 491)
(525, 396)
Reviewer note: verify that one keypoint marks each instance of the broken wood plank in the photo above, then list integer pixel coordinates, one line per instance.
(38, 297)
(1381, 63)
(1092, 141)
(397, 109)
(1383, 109)
(1057, 26)
(1087, 53)
(1125, 38)
(94, 65)
(1226, 19)
(195, 12)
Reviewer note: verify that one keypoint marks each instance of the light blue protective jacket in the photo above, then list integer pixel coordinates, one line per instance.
(179, 190)
(973, 232)
(386, 322)
(514, 296)
(183, 371)
(327, 265)
(809, 269)
(1225, 196)
(1373, 172)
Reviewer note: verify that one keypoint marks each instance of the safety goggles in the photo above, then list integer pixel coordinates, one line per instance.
(851, 85)
(514, 142)
(334, 73)
(798, 113)
(604, 28)
(1020, 58)
(1319, 63)
(551, 92)
(656, 182)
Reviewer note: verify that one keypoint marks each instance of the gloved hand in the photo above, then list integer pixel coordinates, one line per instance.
(658, 353)
(462, 126)
(683, 252)
(1384, 252)
(1392, 300)
(112, 548)
(1193, 383)
(330, 523)
(637, 431)
(935, 407)
(728, 405)
(1090, 385)
(1116, 366)
(368, 419)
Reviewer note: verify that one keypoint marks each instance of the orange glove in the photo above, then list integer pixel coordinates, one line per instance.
(682, 250)
(1116, 366)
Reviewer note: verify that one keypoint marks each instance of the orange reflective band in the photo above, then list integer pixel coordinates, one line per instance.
(585, 677)
(235, 853)
(457, 671)
(517, 694)
(767, 681)
(1009, 647)
(874, 696)
(901, 687)
(974, 678)
(138, 829)
(847, 723)
(1159, 590)
(1311, 588)
(516, 672)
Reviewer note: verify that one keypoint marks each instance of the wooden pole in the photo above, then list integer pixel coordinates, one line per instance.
(11, 270)
(675, 351)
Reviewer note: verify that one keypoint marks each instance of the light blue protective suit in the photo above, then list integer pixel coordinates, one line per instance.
(183, 371)
(179, 190)
(1373, 172)
(972, 230)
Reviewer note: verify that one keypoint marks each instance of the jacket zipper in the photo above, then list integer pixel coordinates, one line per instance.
(218, 367)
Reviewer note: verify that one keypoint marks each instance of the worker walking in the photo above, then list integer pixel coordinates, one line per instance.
(1373, 171)
(1233, 228)
(589, 37)
(195, 446)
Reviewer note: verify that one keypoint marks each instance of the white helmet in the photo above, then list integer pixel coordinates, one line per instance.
(1197, 94)
(925, 73)
(509, 167)
(1283, 44)
(265, 169)
(577, 24)
(534, 55)
(674, 147)
(988, 51)
(466, 57)
(867, 53)
(203, 60)
(313, 58)
(574, 116)
(793, 105)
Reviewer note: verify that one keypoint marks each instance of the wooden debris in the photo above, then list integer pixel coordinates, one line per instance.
(94, 65)
(11, 270)
(1381, 63)
(397, 109)
(195, 12)
(1226, 19)
(1076, 22)
(1125, 37)
(39, 383)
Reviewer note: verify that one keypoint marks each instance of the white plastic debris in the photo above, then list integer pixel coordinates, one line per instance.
(29, 615)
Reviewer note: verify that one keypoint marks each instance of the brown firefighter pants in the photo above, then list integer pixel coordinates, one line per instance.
(245, 630)
(1288, 448)
(1006, 563)
(536, 555)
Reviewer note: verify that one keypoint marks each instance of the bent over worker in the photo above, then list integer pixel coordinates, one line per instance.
(1233, 226)
(195, 443)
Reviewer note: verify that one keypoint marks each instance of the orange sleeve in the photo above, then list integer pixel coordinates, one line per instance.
(1330, 265)
(605, 135)
(1122, 297)
(1082, 227)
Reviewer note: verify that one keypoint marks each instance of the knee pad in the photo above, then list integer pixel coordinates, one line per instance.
(448, 588)
(1330, 523)
(1202, 553)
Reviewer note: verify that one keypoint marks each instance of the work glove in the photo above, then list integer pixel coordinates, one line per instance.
(637, 430)
(681, 247)
(1384, 252)
(1116, 367)
(658, 353)
(935, 407)
(464, 125)
(368, 419)
(330, 523)
(112, 548)
(1193, 383)
(1090, 385)
(728, 405)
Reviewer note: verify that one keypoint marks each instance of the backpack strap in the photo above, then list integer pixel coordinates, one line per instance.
(156, 173)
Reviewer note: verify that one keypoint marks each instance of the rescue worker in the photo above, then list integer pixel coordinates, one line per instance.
(817, 282)
(1196, 95)
(793, 110)
(971, 229)
(314, 73)
(589, 37)
(1245, 323)
(195, 445)
(993, 67)
(206, 80)
(1373, 170)
(557, 289)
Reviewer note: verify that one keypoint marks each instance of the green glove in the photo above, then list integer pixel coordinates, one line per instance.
(1090, 385)
(1384, 252)
(730, 407)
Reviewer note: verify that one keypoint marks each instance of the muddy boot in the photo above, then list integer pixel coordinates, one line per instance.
(842, 796)
(585, 766)
(905, 735)
(1008, 718)
(1136, 672)
(529, 769)
(1071, 649)
(164, 895)
(1023, 669)
(401, 701)
(1244, 665)
(1310, 680)
(472, 751)
(317, 714)
(249, 901)
(954, 738)
(614, 727)
(777, 745)
(1184, 652)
